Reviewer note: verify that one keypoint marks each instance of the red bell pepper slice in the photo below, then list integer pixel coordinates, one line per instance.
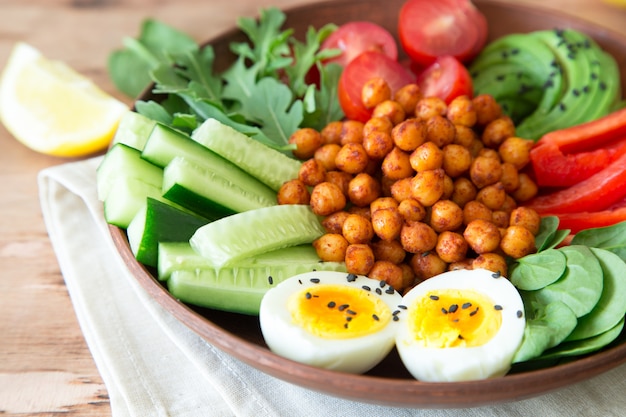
(596, 193)
(576, 222)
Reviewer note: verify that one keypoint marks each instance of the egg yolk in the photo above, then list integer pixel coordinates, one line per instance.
(454, 318)
(338, 312)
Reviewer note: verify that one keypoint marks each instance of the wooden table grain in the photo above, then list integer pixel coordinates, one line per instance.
(46, 368)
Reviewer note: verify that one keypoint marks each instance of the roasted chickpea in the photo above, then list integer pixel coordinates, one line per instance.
(331, 133)
(440, 130)
(401, 189)
(417, 237)
(408, 277)
(391, 110)
(461, 111)
(485, 171)
(482, 236)
(382, 203)
(307, 140)
(456, 160)
(327, 198)
(352, 158)
(293, 192)
(426, 156)
(363, 189)
(510, 177)
(331, 247)
(340, 179)
(527, 189)
(409, 134)
(377, 144)
(475, 147)
(428, 107)
(377, 124)
(445, 215)
(465, 136)
(312, 172)
(460, 265)
(451, 247)
(387, 223)
(388, 250)
(463, 192)
(361, 211)
(448, 187)
(411, 210)
(500, 218)
(326, 155)
(492, 196)
(359, 259)
(516, 151)
(333, 223)
(509, 204)
(527, 217)
(428, 186)
(518, 242)
(474, 210)
(490, 153)
(487, 109)
(497, 131)
(397, 165)
(357, 229)
(351, 132)
(427, 265)
(491, 262)
(387, 271)
(375, 91)
(408, 96)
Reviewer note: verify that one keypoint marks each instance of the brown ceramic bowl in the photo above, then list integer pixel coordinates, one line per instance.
(389, 383)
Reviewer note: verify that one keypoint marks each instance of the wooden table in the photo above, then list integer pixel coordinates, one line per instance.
(45, 365)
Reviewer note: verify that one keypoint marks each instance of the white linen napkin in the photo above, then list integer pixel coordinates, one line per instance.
(153, 365)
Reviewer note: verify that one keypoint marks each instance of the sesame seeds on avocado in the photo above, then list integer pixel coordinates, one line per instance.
(548, 80)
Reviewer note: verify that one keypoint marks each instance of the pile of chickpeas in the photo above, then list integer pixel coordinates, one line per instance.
(420, 188)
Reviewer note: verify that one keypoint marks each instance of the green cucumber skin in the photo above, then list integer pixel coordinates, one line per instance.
(270, 166)
(124, 161)
(133, 130)
(203, 189)
(237, 289)
(243, 235)
(158, 222)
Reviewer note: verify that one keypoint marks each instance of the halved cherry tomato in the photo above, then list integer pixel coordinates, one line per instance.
(361, 69)
(446, 78)
(353, 38)
(428, 29)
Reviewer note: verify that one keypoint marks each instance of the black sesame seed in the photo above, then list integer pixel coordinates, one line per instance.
(366, 288)
(453, 308)
(343, 307)
(351, 312)
(308, 295)
(434, 297)
(348, 318)
(402, 306)
(390, 290)
(351, 277)
(379, 291)
(519, 313)
(466, 306)
(498, 307)
(395, 313)
(345, 325)
(444, 311)
(375, 317)
(300, 281)
(497, 274)
(332, 304)
(396, 318)
(425, 254)
(460, 337)
(315, 280)
(270, 280)
(382, 283)
(474, 312)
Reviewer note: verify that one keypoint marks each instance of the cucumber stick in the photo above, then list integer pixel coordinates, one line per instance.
(133, 130)
(127, 197)
(203, 189)
(123, 160)
(240, 289)
(158, 222)
(243, 235)
(262, 162)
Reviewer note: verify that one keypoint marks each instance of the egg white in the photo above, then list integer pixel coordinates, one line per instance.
(352, 355)
(458, 363)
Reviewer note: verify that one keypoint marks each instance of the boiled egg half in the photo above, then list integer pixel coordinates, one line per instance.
(460, 325)
(331, 320)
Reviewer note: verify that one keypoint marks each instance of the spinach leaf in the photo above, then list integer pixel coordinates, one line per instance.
(549, 236)
(535, 271)
(612, 238)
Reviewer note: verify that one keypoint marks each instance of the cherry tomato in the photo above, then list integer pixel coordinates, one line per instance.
(428, 29)
(446, 78)
(353, 38)
(364, 67)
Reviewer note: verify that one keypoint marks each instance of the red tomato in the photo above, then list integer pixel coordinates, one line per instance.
(428, 29)
(353, 38)
(361, 69)
(446, 78)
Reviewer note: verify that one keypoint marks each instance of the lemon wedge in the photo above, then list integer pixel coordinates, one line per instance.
(54, 110)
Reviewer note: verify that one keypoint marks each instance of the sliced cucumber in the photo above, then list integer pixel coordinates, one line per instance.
(124, 161)
(244, 235)
(127, 197)
(133, 130)
(158, 222)
(240, 289)
(262, 162)
(203, 189)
